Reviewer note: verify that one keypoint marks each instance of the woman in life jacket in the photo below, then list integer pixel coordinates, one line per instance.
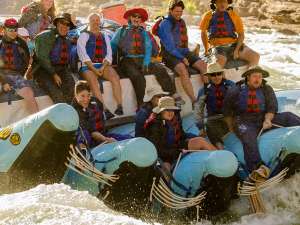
(222, 30)
(164, 130)
(211, 103)
(95, 55)
(37, 16)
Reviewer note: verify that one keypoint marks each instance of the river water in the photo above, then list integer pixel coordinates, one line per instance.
(57, 204)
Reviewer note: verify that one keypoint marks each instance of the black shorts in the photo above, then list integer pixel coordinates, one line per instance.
(226, 50)
(171, 61)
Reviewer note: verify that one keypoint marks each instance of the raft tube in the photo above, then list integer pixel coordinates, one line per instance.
(132, 160)
(278, 148)
(33, 150)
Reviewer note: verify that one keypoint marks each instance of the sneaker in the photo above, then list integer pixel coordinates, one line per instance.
(119, 110)
(260, 175)
(108, 115)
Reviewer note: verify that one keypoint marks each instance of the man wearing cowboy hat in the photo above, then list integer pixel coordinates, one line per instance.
(211, 97)
(151, 98)
(52, 59)
(164, 129)
(135, 45)
(225, 34)
(172, 32)
(250, 108)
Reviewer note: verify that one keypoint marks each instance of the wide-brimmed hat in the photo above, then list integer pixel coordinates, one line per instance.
(214, 68)
(11, 23)
(65, 16)
(165, 103)
(255, 69)
(139, 11)
(153, 91)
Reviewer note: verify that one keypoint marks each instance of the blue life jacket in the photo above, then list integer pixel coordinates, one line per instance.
(61, 52)
(13, 56)
(215, 96)
(251, 101)
(221, 26)
(132, 41)
(96, 47)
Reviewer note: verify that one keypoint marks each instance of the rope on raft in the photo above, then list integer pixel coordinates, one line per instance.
(82, 166)
(162, 193)
(253, 189)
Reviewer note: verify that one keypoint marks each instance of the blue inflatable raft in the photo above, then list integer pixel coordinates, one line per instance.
(33, 150)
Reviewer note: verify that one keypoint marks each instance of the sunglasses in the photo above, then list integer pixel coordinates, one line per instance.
(136, 16)
(216, 74)
(65, 22)
(11, 29)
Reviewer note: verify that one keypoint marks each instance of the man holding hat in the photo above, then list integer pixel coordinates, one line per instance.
(222, 29)
(14, 60)
(151, 98)
(136, 46)
(172, 32)
(164, 129)
(52, 60)
(211, 97)
(250, 108)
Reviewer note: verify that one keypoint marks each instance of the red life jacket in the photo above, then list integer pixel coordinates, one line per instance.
(221, 26)
(183, 34)
(98, 56)
(96, 116)
(253, 102)
(59, 55)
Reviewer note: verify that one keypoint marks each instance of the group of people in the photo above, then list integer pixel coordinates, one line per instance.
(221, 105)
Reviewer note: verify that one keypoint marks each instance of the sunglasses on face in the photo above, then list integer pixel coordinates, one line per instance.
(11, 29)
(64, 22)
(136, 16)
(216, 74)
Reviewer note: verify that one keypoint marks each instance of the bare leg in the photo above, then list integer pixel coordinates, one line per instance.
(111, 75)
(199, 143)
(92, 79)
(185, 81)
(28, 96)
(201, 66)
(250, 56)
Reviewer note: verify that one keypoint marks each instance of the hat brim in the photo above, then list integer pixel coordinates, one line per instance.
(264, 73)
(148, 98)
(158, 110)
(55, 21)
(217, 71)
(139, 11)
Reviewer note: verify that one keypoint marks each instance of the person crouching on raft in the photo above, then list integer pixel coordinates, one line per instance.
(165, 131)
(222, 30)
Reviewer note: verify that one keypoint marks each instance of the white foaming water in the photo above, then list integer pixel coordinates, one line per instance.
(57, 204)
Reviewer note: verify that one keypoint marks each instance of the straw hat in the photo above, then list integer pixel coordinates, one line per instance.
(214, 68)
(256, 69)
(165, 103)
(152, 91)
